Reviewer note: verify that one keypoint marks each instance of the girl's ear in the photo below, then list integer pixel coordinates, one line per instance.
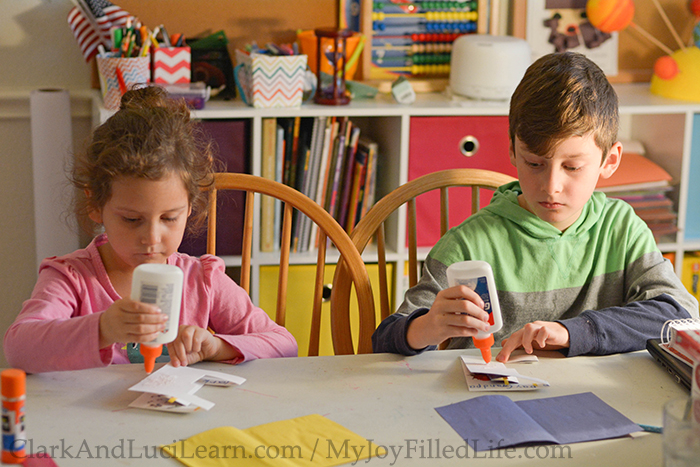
(94, 215)
(612, 162)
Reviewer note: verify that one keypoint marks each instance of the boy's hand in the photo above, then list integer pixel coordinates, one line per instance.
(539, 335)
(194, 344)
(127, 320)
(457, 312)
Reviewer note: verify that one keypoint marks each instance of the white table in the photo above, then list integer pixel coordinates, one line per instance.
(387, 398)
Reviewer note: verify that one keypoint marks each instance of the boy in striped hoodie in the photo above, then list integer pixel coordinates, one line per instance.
(574, 270)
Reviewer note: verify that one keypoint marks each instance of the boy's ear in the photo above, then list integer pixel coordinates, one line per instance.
(612, 162)
(511, 153)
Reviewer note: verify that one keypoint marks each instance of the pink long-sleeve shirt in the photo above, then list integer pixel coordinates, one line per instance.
(58, 327)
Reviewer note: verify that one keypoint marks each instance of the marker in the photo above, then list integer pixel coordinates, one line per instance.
(120, 80)
(166, 37)
(651, 428)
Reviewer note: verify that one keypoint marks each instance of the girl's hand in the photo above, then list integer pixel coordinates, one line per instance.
(541, 335)
(194, 344)
(127, 320)
(457, 312)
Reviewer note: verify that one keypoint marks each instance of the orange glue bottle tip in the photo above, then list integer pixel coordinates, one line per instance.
(150, 353)
(485, 346)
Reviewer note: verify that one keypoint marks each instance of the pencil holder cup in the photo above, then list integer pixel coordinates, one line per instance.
(171, 65)
(118, 75)
(270, 81)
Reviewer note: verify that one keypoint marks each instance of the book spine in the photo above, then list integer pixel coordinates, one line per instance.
(310, 179)
(339, 155)
(358, 175)
(291, 181)
(371, 182)
(279, 174)
(287, 124)
(304, 153)
(348, 176)
(267, 203)
(321, 176)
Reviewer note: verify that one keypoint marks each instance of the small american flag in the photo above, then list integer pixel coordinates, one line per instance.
(91, 22)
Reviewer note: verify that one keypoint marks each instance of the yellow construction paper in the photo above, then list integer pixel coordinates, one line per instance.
(312, 441)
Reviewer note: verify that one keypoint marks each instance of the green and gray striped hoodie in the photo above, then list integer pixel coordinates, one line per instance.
(603, 278)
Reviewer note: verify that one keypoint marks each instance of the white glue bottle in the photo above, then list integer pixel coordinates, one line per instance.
(160, 285)
(478, 276)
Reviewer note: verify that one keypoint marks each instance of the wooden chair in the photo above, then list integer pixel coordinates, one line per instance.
(328, 229)
(372, 224)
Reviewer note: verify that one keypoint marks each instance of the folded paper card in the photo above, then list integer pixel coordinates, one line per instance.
(495, 421)
(312, 440)
(179, 385)
(495, 376)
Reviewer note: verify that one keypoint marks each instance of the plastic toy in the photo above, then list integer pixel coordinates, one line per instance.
(676, 74)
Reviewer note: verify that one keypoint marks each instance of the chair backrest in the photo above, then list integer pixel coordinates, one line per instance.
(328, 228)
(372, 224)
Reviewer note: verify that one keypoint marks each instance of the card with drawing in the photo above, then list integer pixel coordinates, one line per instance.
(161, 403)
(178, 385)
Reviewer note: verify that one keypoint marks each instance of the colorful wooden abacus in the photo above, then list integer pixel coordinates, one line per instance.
(414, 39)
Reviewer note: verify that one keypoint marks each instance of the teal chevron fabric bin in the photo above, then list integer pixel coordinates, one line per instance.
(270, 81)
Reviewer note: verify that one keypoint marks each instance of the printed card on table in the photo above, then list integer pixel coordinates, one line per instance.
(495, 376)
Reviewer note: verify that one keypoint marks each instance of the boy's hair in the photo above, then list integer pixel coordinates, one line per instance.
(150, 136)
(563, 95)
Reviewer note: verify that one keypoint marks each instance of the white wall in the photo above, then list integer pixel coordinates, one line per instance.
(37, 50)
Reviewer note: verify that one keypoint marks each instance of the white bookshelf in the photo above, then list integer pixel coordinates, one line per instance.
(665, 127)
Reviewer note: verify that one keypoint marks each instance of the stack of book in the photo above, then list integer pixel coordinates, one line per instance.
(646, 186)
(325, 158)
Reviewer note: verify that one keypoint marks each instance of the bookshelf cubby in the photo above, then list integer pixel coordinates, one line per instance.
(669, 130)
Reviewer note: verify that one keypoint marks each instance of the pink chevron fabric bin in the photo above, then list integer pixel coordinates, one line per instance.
(171, 65)
(118, 75)
(270, 81)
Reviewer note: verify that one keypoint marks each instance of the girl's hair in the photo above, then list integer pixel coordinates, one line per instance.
(563, 95)
(150, 136)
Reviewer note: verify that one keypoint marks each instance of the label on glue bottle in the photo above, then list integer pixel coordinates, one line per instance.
(13, 437)
(478, 276)
(160, 285)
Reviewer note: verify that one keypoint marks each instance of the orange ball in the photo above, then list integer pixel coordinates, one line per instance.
(666, 67)
(695, 7)
(610, 15)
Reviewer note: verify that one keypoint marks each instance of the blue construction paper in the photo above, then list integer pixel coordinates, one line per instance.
(483, 421)
(495, 421)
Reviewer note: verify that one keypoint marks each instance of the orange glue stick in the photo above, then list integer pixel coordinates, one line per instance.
(14, 439)
(478, 276)
(161, 285)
